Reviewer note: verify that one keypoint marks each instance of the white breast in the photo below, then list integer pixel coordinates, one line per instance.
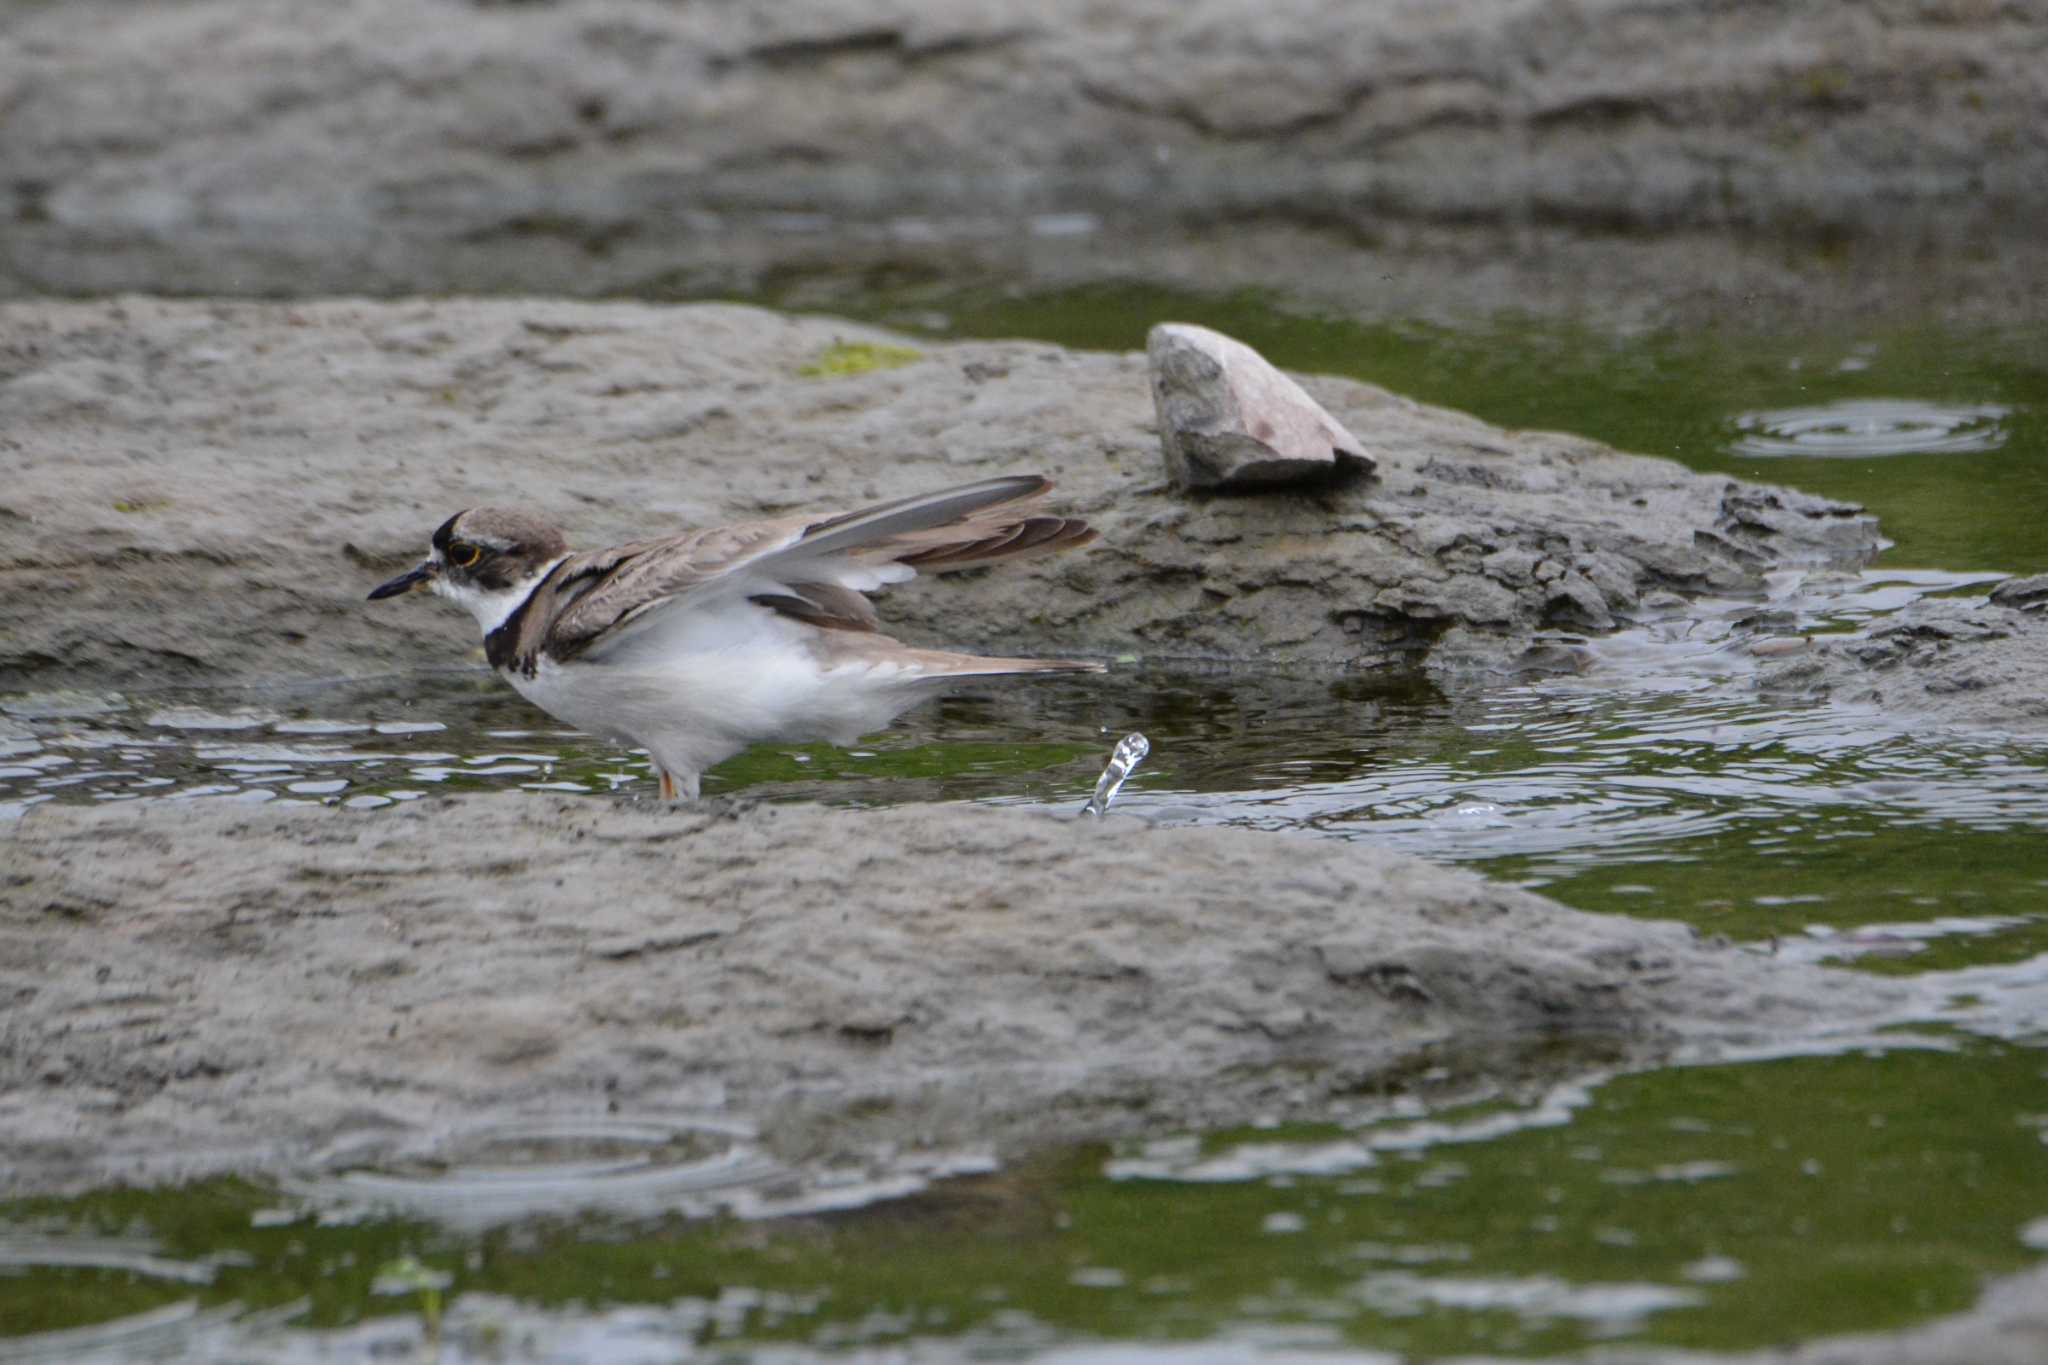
(701, 684)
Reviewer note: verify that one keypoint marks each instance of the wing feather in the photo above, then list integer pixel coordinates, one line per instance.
(811, 569)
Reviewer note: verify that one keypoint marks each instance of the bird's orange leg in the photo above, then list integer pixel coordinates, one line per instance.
(668, 784)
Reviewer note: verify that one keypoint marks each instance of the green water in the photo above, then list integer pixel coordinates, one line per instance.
(1729, 1206)
(1713, 1207)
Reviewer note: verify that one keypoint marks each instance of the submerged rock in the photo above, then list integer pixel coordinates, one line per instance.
(981, 973)
(224, 482)
(1230, 422)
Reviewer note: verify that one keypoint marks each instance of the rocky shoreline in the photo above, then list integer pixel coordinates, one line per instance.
(200, 489)
(209, 489)
(206, 490)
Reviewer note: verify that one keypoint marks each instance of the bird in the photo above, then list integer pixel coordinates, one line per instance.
(698, 645)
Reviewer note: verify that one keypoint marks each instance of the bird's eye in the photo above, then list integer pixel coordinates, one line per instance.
(462, 554)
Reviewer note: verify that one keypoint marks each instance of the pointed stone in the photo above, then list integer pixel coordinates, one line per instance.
(1230, 422)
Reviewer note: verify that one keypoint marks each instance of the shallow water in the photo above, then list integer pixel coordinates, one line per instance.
(1873, 1183)
(1716, 1207)
(1657, 785)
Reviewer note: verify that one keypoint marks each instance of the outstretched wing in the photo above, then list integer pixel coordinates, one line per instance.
(809, 568)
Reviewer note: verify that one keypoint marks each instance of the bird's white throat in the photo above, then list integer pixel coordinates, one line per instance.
(492, 608)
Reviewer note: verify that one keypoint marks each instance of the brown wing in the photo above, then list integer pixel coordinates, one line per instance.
(814, 569)
(597, 590)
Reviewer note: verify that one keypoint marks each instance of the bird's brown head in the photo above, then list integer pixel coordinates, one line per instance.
(486, 558)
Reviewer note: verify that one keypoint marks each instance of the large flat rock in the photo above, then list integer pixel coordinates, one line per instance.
(237, 146)
(196, 986)
(203, 492)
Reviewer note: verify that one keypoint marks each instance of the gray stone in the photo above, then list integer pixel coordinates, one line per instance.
(986, 976)
(1230, 422)
(611, 147)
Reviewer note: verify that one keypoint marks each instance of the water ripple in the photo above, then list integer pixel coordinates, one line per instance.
(1858, 428)
(482, 1175)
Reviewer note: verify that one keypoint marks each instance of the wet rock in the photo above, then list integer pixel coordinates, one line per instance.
(1805, 675)
(1230, 422)
(2022, 594)
(606, 147)
(1921, 635)
(978, 973)
(1979, 663)
(234, 477)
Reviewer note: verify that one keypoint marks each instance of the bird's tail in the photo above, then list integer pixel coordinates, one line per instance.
(995, 665)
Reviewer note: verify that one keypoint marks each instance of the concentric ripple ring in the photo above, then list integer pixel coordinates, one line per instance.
(1859, 428)
(477, 1176)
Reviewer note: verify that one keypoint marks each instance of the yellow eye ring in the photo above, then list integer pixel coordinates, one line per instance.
(462, 554)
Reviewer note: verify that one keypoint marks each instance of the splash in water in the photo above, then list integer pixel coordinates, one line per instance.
(1130, 752)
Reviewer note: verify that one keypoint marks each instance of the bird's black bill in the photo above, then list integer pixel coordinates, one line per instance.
(409, 581)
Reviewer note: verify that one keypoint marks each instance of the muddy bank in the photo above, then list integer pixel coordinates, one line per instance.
(601, 146)
(203, 492)
(198, 986)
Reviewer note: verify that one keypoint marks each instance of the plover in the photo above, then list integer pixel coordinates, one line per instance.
(695, 646)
